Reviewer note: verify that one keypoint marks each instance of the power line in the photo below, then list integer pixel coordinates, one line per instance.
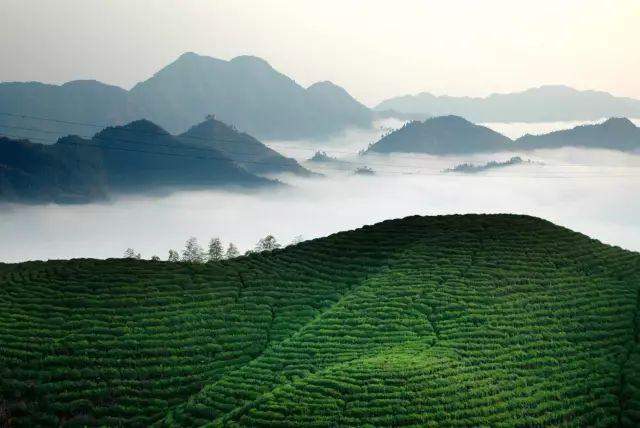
(420, 173)
(191, 137)
(178, 146)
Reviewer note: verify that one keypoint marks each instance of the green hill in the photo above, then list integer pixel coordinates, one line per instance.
(476, 320)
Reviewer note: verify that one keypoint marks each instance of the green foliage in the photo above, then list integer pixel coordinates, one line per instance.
(425, 321)
(215, 252)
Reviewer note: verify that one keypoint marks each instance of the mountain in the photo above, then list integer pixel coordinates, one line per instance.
(80, 101)
(242, 148)
(332, 101)
(614, 134)
(139, 157)
(245, 91)
(64, 172)
(546, 103)
(444, 135)
(474, 320)
(248, 93)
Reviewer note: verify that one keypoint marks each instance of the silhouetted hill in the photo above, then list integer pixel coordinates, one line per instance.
(445, 135)
(248, 93)
(448, 321)
(614, 134)
(82, 101)
(64, 172)
(546, 103)
(141, 154)
(138, 157)
(242, 148)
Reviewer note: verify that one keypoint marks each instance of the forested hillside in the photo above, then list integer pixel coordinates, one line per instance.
(139, 157)
(475, 320)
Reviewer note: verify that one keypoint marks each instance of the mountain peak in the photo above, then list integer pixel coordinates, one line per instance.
(144, 126)
(450, 119)
(250, 60)
(619, 122)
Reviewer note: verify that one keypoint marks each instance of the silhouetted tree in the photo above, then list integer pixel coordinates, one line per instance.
(232, 251)
(173, 256)
(296, 240)
(193, 252)
(129, 253)
(215, 252)
(268, 243)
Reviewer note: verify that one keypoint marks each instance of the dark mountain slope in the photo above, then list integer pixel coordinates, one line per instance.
(242, 148)
(246, 92)
(445, 135)
(63, 172)
(446, 321)
(141, 154)
(614, 134)
(83, 101)
(138, 157)
(546, 103)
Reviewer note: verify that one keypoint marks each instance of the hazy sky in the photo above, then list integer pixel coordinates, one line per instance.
(375, 49)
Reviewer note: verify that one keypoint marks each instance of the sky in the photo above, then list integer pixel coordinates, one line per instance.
(374, 49)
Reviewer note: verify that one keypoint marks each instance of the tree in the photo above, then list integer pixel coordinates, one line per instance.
(268, 243)
(129, 253)
(155, 258)
(215, 252)
(296, 240)
(192, 252)
(232, 251)
(173, 256)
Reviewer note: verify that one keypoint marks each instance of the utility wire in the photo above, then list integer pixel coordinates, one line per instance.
(420, 173)
(189, 147)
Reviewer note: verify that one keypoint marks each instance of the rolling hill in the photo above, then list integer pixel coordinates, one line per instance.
(614, 134)
(65, 172)
(444, 135)
(242, 148)
(139, 157)
(544, 104)
(475, 320)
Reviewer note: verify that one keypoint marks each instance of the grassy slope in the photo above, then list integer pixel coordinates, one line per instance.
(456, 320)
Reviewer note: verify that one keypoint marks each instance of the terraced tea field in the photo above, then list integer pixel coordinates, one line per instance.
(478, 320)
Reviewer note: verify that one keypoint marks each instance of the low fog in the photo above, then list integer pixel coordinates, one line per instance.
(590, 191)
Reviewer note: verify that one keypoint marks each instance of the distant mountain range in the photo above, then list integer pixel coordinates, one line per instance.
(543, 104)
(135, 158)
(249, 94)
(245, 91)
(453, 135)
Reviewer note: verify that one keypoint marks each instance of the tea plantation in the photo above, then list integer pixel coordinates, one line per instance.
(475, 320)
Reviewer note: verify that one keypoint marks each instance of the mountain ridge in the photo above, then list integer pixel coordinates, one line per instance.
(541, 104)
(245, 91)
(448, 135)
(139, 157)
